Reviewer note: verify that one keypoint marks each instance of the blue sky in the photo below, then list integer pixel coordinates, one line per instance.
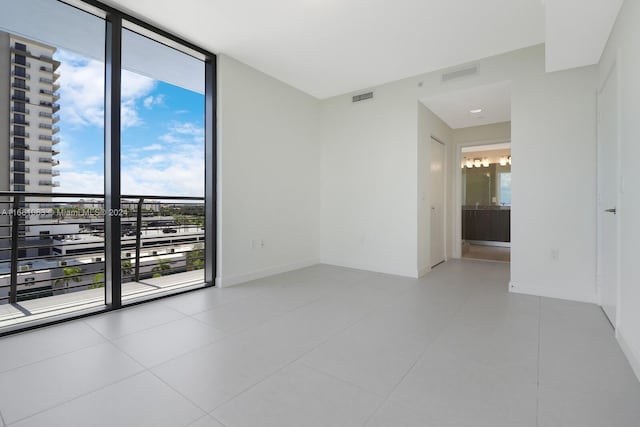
(162, 132)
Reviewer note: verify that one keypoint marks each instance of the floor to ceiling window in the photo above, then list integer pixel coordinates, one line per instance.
(106, 126)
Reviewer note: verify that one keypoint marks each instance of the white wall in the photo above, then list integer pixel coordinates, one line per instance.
(268, 177)
(368, 184)
(429, 125)
(370, 177)
(623, 48)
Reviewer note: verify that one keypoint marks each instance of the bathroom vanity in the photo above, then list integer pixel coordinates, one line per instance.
(486, 223)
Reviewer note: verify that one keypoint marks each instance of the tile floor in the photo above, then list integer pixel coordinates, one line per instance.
(328, 346)
(488, 253)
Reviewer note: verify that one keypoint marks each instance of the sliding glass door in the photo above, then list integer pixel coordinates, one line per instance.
(107, 171)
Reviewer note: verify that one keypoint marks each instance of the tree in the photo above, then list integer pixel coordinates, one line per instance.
(126, 267)
(70, 275)
(161, 268)
(195, 258)
(98, 281)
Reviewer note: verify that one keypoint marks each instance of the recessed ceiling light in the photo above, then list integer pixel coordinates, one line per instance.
(476, 111)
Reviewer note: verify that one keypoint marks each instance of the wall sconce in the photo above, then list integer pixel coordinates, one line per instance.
(469, 163)
(477, 162)
(503, 161)
(485, 162)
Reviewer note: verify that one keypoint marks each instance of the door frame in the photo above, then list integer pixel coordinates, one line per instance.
(457, 191)
(445, 200)
(613, 68)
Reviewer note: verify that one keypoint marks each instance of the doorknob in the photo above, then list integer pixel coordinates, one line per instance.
(612, 210)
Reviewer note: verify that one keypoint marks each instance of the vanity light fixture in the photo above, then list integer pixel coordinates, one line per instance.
(469, 163)
(485, 162)
(503, 161)
(477, 162)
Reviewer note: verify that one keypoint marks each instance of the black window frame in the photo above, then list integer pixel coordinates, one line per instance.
(114, 19)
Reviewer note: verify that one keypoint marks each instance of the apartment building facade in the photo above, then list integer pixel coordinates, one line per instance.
(28, 119)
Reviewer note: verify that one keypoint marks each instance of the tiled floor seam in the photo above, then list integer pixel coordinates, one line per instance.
(78, 397)
(177, 391)
(538, 370)
(342, 380)
(280, 314)
(218, 420)
(422, 353)
(283, 367)
(137, 331)
(56, 355)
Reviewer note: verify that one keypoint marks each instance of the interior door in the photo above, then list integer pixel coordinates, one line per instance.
(437, 202)
(608, 172)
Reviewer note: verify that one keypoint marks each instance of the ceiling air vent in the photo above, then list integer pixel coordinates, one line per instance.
(362, 97)
(457, 74)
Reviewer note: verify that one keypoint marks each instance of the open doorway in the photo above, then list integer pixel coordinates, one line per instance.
(486, 202)
(475, 126)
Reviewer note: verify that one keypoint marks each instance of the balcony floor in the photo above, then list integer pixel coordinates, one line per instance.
(27, 311)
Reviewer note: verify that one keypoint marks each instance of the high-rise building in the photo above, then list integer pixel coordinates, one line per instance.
(28, 130)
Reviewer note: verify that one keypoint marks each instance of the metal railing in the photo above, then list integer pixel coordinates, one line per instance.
(54, 243)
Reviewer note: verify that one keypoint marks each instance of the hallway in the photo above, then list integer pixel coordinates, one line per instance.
(329, 346)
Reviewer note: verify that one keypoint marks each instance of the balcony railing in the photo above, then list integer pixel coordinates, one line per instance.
(20, 108)
(19, 84)
(52, 248)
(48, 138)
(53, 105)
(18, 62)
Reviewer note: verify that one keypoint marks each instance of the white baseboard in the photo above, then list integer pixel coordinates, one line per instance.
(514, 288)
(413, 274)
(423, 271)
(236, 279)
(632, 356)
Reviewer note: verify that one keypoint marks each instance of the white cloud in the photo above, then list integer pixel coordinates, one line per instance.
(151, 100)
(174, 173)
(81, 182)
(180, 132)
(152, 147)
(82, 91)
(92, 160)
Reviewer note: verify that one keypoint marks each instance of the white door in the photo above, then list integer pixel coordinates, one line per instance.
(437, 202)
(608, 173)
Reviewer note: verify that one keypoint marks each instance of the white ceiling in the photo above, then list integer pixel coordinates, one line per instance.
(577, 31)
(331, 47)
(454, 107)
